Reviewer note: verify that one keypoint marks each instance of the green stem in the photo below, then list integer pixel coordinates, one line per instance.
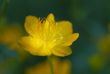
(3, 7)
(50, 64)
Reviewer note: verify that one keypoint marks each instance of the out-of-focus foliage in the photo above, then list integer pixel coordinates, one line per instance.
(104, 45)
(100, 60)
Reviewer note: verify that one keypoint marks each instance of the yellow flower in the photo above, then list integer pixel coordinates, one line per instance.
(97, 61)
(10, 36)
(48, 37)
(104, 45)
(60, 67)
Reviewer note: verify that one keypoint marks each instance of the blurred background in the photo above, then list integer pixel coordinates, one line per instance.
(90, 18)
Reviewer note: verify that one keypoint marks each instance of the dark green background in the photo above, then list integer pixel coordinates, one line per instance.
(89, 17)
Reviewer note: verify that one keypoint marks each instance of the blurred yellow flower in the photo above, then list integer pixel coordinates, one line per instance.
(48, 37)
(104, 45)
(60, 67)
(10, 35)
(97, 61)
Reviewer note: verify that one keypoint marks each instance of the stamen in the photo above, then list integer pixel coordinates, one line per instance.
(43, 19)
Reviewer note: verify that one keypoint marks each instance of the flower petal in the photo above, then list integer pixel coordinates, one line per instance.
(50, 18)
(33, 46)
(65, 27)
(71, 39)
(62, 51)
(29, 44)
(49, 25)
(44, 52)
(31, 24)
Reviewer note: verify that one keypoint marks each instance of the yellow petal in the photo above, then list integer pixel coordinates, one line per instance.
(71, 39)
(50, 21)
(43, 52)
(34, 46)
(31, 24)
(49, 24)
(50, 18)
(65, 27)
(29, 44)
(62, 51)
